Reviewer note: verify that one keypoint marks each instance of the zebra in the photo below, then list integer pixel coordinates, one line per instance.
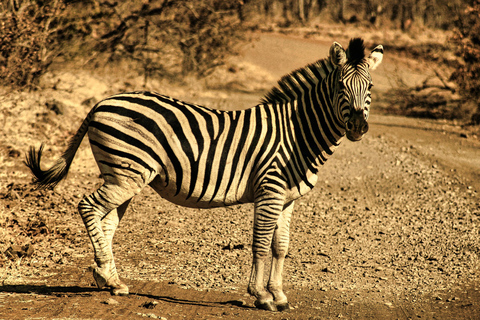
(199, 157)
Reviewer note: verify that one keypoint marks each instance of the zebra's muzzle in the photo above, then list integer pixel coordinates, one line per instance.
(356, 126)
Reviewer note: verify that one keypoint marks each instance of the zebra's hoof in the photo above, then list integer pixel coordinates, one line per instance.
(268, 305)
(283, 306)
(122, 290)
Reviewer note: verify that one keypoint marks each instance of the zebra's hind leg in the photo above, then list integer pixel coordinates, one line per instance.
(101, 212)
(280, 241)
(106, 275)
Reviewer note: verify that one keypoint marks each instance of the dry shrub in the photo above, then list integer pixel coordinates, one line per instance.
(27, 46)
(467, 40)
(436, 98)
(161, 37)
(169, 36)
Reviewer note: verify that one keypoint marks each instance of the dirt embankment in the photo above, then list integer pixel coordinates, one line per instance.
(390, 232)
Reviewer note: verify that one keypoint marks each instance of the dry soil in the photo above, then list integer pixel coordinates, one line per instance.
(391, 231)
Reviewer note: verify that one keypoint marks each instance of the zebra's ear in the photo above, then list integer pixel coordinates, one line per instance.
(338, 55)
(375, 57)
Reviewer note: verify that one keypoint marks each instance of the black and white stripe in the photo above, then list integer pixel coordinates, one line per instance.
(199, 157)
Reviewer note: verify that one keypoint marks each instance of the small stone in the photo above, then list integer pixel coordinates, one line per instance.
(13, 153)
(89, 102)
(151, 315)
(320, 253)
(16, 251)
(110, 301)
(173, 224)
(56, 106)
(453, 299)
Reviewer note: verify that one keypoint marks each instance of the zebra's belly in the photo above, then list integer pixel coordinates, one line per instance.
(198, 199)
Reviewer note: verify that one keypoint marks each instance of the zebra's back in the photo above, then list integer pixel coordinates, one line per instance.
(191, 155)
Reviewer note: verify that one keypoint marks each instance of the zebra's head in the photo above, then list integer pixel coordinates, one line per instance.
(353, 83)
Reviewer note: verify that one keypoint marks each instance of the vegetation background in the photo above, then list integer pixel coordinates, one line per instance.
(392, 232)
(172, 38)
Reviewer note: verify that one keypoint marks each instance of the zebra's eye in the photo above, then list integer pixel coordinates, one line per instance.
(370, 86)
(341, 85)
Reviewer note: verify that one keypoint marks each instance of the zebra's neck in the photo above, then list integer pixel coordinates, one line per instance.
(309, 96)
(318, 128)
(318, 124)
(311, 131)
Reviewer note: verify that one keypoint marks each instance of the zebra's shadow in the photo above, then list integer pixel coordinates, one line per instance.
(47, 290)
(66, 291)
(202, 303)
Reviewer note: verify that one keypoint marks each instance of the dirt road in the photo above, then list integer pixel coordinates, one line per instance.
(390, 232)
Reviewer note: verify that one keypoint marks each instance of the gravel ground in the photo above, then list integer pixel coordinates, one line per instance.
(393, 220)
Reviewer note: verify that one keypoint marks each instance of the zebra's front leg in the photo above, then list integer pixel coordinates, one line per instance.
(256, 287)
(268, 207)
(280, 242)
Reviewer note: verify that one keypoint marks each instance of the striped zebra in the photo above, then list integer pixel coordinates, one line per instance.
(199, 157)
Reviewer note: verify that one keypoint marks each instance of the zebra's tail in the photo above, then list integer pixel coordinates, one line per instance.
(48, 179)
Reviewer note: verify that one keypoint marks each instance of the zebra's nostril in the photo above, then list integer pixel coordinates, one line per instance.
(365, 128)
(349, 126)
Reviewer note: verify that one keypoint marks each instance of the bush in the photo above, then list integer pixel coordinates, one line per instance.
(171, 36)
(27, 46)
(162, 36)
(467, 40)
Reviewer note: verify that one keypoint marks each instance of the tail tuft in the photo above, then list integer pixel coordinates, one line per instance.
(45, 179)
(48, 179)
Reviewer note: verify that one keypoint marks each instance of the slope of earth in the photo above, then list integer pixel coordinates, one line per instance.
(390, 232)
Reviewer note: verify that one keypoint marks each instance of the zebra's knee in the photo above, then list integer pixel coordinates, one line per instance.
(279, 248)
(260, 253)
(279, 253)
(85, 207)
(101, 202)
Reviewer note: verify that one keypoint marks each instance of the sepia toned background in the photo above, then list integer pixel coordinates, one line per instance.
(391, 231)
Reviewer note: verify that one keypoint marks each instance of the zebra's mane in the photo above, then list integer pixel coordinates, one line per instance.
(290, 85)
(356, 51)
